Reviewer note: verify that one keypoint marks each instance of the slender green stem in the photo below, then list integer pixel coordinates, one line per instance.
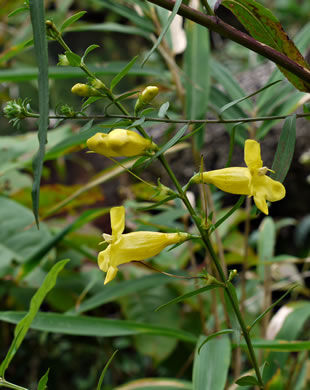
(207, 7)
(230, 292)
(165, 120)
(196, 219)
(9, 385)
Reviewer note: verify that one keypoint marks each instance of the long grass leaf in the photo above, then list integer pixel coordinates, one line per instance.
(164, 31)
(26, 321)
(40, 46)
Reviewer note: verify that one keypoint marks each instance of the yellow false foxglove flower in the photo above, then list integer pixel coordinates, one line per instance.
(120, 142)
(135, 246)
(251, 181)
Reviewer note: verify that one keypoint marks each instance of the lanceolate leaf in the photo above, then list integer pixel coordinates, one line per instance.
(211, 364)
(285, 149)
(197, 74)
(26, 321)
(40, 46)
(164, 30)
(95, 326)
(266, 28)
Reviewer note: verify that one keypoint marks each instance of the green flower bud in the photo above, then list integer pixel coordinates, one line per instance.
(63, 60)
(67, 110)
(146, 96)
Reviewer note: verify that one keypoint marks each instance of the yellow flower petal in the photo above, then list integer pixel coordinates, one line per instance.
(234, 180)
(117, 215)
(119, 143)
(112, 271)
(264, 188)
(104, 259)
(142, 245)
(252, 156)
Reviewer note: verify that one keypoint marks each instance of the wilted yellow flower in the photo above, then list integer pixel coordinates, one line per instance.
(120, 142)
(135, 246)
(251, 181)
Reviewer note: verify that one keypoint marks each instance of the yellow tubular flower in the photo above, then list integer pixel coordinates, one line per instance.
(120, 142)
(135, 246)
(251, 181)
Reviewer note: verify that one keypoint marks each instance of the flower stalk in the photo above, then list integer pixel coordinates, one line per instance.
(204, 234)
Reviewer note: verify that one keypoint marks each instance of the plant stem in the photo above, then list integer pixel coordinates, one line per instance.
(196, 219)
(165, 120)
(229, 288)
(9, 385)
(216, 24)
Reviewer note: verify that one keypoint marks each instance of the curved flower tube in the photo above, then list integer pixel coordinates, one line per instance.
(251, 181)
(135, 246)
(120, 143)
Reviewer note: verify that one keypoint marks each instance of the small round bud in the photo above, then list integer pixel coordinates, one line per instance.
(84, 90)
(148, 94)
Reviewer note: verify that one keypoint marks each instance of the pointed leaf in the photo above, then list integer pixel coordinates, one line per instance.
(164, 30)
(234, 102)
(88, 50)
(105, 370)
(74, 18)
(270, 308)
(74, 59)
(43, 381)
(123, 73)
(95, 326)
(172, 141)
(197, 74)
(188, 295)
(285, 149)
(40, 46)
(247, 380)
(25, 323)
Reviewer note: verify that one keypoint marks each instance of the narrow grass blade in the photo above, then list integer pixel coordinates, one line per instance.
(96, 326)
(270, 308)
(164, 31)
(188, 295)
(233, 103)
(40, 45)
(105, 370)
(25, 323)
